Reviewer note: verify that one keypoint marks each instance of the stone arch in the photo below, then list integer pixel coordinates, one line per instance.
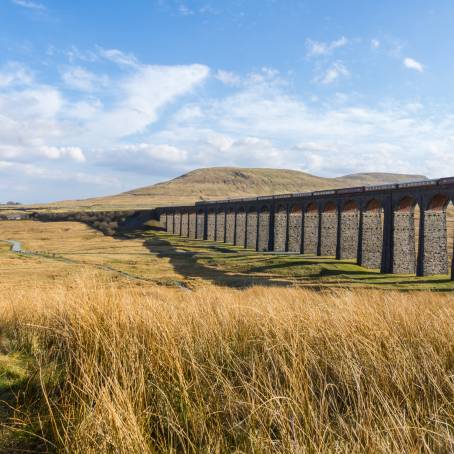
(263, 228)
(349, 230)
(434, 257)
(240, 227)
(230, 226)
(295, 226)
(328, 229)
(220, 224)
(371, 235)
(438, 202)
(280, 228)
(251, 228)
(211, 225)
(311, 229)
(406, 235)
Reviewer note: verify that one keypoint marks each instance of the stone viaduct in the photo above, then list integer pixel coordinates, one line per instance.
(375, 225)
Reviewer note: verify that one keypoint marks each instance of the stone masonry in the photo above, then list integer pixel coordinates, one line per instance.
(373, 224)
(211, 225)
(295, 225)
(251, 234)
(240, 228)
(349, 227)
(280, 229)
(264, 229)
(230, 227)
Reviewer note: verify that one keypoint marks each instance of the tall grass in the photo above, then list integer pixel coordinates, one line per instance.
(221, 370)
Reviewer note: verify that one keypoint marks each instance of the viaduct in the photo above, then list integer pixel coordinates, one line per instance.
(375, 225)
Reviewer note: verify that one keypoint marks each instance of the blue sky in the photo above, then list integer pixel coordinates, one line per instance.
(103, 96)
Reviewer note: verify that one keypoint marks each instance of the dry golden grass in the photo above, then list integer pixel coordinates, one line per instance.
(218, 370)
(71, 246)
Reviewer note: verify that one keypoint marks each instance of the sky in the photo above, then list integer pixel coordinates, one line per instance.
(101, 96)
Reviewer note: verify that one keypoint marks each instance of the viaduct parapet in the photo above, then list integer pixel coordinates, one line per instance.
(375, 225)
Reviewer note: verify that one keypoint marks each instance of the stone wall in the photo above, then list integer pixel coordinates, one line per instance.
(163, 220)
(435, 247)
(192, 225)
(372, 239)
(185, 224)
(328, 239)
(280, 229)
(404, 250)
(295, 225)
(177, 223)
(251, 234)
(349, 229)
(200, 225)
(311, 232)
(211, 225)
(170, 217)
(240, 230)
(220, 226)
(230, 227)
(264, 230)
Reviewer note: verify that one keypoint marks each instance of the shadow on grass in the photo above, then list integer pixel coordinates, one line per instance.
(187, 264)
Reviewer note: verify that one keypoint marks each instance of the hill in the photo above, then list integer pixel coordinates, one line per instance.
(228, 182)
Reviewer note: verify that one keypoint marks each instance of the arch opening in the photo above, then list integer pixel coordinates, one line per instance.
(312, 208)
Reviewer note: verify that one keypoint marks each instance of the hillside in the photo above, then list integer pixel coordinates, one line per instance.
(229, 182)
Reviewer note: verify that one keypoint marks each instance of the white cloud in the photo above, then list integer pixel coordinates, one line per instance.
(333, 73)
(79, 78)
(14, 73)
(184, 10)
(141, 95)
(118, 57)
(317, 48)
(410, 63)
(375, 43)
(29, 4)
(227, 77)
(258, 121)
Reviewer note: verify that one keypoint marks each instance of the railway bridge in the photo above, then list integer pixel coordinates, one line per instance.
(374, 225)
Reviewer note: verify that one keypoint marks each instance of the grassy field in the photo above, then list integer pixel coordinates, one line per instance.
(152, 257)
(152, 344)
(88, 367)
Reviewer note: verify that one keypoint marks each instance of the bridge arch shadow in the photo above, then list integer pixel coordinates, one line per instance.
(187, 264)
